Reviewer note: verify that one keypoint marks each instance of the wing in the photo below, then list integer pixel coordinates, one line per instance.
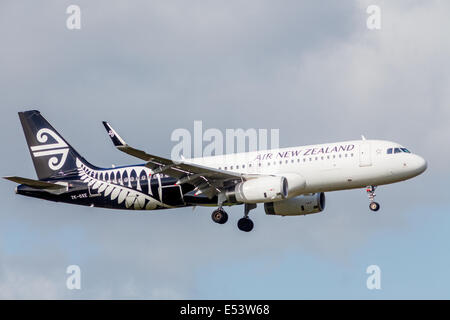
(207, 180)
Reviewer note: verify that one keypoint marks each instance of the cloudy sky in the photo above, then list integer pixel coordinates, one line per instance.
(311, 69)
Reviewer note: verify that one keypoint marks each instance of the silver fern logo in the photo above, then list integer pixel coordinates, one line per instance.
(111, 184)
(51, 149)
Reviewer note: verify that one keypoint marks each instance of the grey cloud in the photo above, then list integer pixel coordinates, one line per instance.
(312, 70)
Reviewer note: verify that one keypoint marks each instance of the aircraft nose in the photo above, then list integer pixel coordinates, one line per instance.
(420, 164)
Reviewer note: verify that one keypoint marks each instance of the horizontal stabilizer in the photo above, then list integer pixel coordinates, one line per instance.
(35, 183)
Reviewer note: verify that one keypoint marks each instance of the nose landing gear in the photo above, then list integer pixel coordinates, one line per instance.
(374, 206)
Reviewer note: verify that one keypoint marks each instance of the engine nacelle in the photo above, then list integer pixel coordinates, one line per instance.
(296, 184)
(301, 205)
(263, 189)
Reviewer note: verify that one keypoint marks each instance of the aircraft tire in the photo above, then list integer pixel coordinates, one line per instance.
(219, 216)
(245, 224)
(374, 206)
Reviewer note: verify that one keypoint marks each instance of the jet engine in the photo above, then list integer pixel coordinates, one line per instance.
(300, 205)
(263, 189)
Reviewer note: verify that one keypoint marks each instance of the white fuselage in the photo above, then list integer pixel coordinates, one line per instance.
(327, 167)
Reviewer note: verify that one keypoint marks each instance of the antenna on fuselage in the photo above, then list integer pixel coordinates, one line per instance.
(362, 137)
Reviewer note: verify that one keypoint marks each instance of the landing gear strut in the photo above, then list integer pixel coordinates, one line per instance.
(219, 215)
(245, 224)
(374, 206)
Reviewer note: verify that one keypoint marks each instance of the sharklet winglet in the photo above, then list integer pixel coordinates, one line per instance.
(116, 139)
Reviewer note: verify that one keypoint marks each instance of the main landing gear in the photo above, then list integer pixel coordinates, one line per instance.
(374, 206)
(244, 224)
(219, 216)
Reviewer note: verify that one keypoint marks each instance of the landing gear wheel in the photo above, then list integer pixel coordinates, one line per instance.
(374, 206)
(245, 224)
(219, 216)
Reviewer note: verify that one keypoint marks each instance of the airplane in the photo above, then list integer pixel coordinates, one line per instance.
(287, 181)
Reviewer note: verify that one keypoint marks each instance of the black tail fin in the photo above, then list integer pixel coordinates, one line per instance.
(52, 156)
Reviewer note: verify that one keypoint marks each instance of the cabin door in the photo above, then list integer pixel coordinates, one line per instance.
(365, 155)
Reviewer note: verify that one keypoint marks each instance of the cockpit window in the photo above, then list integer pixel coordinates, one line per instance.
(397, 150)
